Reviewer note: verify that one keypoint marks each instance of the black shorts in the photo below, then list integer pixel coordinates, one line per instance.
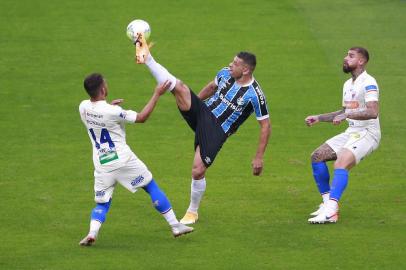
(209, 135)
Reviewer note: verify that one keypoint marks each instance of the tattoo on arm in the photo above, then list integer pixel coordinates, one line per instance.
(370, 113)
(328, 117)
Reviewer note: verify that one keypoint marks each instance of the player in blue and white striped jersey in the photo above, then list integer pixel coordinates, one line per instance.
(215, 113)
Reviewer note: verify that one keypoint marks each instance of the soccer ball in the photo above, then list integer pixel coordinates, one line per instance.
(138, 26)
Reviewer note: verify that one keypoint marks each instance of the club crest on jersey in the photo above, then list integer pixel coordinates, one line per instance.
(240, 101)
(222, 84)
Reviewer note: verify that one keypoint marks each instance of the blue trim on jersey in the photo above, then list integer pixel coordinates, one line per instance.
(371, 88)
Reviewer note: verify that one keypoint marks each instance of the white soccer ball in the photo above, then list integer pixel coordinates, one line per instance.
(138, 26)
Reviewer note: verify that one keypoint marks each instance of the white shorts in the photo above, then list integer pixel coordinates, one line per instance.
(361, 142)
(131, 176)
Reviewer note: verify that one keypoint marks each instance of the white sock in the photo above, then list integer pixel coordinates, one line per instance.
(170, 217)
(160, 73)
(94, 228)
(326, 197)
(198, 188)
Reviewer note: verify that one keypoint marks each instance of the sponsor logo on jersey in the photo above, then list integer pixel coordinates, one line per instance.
(94, 123)
(94, 115)
(138, 180)
(229, 103)
(260, 95)
(123, 114)
(351, 104)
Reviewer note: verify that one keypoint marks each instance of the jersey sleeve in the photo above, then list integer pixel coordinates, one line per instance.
(82, 111)
(127, 116)
(260, 105)
(371, 90)
(222, 73)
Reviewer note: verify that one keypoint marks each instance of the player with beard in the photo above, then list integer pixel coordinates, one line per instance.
(361, 138)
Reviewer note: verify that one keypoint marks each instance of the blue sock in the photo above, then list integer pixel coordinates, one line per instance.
(100, 211)
(321, 176)
(159, 199)
(339, 184)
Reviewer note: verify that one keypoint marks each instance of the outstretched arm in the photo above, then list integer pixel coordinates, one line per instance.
(149, 107)
(325, 117)
(258, 161)
(207, 91)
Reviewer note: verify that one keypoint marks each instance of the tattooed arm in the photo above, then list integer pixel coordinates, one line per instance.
(371, 112)
(325, 117)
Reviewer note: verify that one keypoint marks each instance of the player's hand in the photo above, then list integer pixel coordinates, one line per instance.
(117, 101)
(339, 118)
(312, 120)
(257, 165)
(161, 88)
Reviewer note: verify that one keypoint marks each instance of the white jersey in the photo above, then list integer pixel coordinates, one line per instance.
(355, 96)
(105, 126)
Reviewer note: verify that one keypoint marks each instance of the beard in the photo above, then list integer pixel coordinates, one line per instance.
(347, 68)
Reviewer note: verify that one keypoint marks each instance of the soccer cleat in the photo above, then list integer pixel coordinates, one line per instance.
(180, 229)
(141, 49)
(189, 218)
(87, 241)
(323, 218)
(318, 211)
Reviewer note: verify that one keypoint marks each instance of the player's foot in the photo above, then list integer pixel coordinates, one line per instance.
(141, 49)
(324, 218)
(180, 229)
(318, 211)
(189, 218)
(87, 241)
(329, 214)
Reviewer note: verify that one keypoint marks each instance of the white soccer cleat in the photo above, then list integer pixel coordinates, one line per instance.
(87, 241)
(323, 218)
(318, 211)
(189, 218)
(180, 229)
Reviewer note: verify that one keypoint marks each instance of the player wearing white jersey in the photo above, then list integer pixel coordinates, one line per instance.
(361, 138)
(112, 157)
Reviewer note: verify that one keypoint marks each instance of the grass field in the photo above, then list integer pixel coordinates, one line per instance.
(46, 177)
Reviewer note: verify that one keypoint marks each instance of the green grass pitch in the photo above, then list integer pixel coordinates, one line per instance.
(46, 182)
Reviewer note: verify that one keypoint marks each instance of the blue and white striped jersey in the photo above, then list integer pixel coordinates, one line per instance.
(232, 103)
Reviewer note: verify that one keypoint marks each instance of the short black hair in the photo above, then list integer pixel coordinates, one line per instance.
(248, 58)
(362, 51)
(92, 84)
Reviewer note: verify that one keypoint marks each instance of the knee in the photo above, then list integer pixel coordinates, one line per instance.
(315, 157)
(198, 171)
(181, 88)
